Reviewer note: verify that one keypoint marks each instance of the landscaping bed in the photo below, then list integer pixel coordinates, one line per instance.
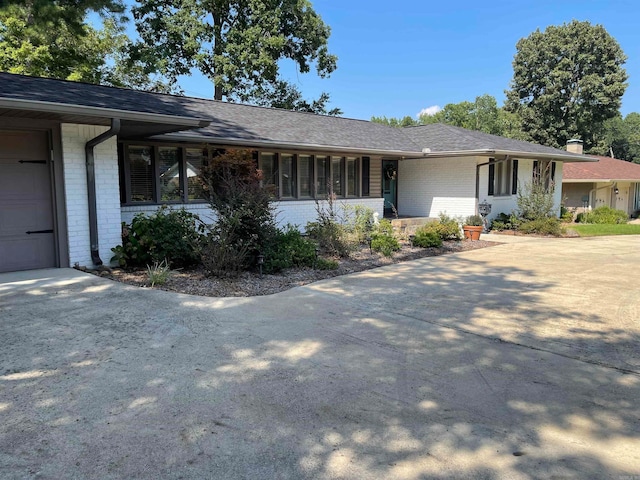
(195, 282)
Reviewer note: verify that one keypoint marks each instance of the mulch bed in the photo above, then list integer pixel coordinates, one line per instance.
(249, 284)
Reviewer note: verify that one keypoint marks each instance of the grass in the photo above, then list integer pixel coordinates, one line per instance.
(598, 230)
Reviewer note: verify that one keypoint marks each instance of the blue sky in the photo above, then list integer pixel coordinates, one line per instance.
(398, 58)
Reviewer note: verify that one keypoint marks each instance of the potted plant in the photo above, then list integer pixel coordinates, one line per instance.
(472, 227)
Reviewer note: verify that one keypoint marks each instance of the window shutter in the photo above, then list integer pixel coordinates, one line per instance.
(553, 171)
(514, 180)
(535, 169)
(366, 174)
(492, 174)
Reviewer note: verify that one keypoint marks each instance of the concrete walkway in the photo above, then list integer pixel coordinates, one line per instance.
(518, 361)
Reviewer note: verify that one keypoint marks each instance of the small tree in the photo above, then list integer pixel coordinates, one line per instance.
(245, 215)
(535, 201)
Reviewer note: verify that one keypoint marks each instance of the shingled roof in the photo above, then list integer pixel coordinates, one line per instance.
(197, 119)
(607, 169)
(439, 137)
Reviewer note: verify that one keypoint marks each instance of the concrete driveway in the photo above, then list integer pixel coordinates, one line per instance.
(518, 361)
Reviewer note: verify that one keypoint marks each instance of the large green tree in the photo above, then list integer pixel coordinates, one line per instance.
(567, 81)
(620, 138)
(53, 39)
(237, 44)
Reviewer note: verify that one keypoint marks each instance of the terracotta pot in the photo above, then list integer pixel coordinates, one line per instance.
(472, 232)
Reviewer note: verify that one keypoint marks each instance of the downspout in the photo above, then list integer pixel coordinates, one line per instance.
(91, 187)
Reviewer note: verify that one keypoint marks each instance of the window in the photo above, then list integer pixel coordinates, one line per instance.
(305, 176)
(141, 173)
(544, 173)
(195, 159)
(269, 167)
(287, 176)
(352, 177)
(169, 174)
(322, 176)
(337, 176)
(161, 174)
(503, 178)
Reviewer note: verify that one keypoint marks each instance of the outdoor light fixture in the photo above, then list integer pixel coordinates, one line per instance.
(616, 190)
(484, 209)
(369, 242)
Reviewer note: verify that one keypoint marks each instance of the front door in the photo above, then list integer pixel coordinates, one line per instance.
(390, 187)
(26, 205)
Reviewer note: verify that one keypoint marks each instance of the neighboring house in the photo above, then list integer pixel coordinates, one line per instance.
(609, 182)
(76, 160)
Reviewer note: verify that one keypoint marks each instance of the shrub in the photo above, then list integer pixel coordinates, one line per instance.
(224, 254)
(566, 215)
(603, 215)
(543, 226)
(535, 201)
(288, 249)
(329, 233)
(325, 264)
(384, 243)
(171, 235)
(448, 228)
(474, 221)
(427, 237)
(359, 222)
(505, 222)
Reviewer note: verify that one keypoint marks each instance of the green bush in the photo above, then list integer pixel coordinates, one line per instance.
(474, 221)
(543, 226)
(565, 214)
(360, 222)
(325, 264)
(603, 215)
(384, 227)
(288, 249)
(328, 232)
(384, 243)
(171, 235)
(535, 201)
(426, 238)
(505, 222)
(448, 228)
(224, 254)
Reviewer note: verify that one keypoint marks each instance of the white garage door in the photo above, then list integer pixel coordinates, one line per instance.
(26, 206)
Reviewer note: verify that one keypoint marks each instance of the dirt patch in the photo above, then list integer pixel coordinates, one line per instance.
(249, 284)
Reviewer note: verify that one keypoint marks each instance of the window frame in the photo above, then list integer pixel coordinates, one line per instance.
(503, 177)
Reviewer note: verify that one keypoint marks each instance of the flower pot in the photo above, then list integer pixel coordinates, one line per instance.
(472, 232)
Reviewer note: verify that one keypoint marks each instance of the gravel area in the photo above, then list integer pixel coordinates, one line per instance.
(249, 284)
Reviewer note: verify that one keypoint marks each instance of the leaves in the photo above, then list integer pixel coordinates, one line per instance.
(567, 81)
(237, 44)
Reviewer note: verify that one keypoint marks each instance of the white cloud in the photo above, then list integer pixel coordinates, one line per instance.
(429, 111)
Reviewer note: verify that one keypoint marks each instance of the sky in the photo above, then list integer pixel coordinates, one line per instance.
(397, 58)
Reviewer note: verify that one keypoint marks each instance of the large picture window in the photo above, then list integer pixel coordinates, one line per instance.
(162, 174)
(157, 173)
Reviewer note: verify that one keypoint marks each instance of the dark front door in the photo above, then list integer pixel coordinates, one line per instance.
(26, 206)
(390, 187)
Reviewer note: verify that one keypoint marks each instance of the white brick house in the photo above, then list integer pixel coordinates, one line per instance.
(76, 160)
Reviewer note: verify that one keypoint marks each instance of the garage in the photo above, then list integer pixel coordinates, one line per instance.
(27, 238)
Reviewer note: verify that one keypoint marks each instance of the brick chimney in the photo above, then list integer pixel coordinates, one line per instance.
(574, 146)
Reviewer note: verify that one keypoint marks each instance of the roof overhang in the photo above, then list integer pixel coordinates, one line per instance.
(562, 157)
(599, 180)
(134, 124)
(270, 144)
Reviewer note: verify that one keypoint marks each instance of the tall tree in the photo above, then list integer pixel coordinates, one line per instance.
(567, 81)
(53, 39)
(620, 138)
(237, 44)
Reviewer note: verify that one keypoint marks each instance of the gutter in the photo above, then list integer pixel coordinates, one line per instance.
(91, 187)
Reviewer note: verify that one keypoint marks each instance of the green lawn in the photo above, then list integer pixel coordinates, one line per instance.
(597, 230)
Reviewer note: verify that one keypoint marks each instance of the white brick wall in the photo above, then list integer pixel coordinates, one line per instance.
(297, 212)
(74, 138)
(427, 187)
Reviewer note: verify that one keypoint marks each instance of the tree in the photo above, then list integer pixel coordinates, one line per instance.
(620, 138)
(287, 96)
(237, 44)
(567, 82)
(396, 122)
(53, 39)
